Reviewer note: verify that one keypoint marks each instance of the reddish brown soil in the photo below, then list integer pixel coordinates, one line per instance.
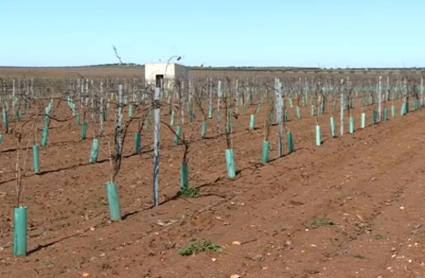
(370, 185)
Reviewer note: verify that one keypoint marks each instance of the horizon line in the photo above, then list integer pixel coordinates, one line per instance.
(135, 65)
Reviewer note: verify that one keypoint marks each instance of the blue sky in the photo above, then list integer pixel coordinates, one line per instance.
(326, 33)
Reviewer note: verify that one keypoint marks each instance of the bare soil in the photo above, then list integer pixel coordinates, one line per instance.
(353, 207)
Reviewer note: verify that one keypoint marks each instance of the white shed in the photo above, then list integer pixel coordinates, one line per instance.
(155, 73)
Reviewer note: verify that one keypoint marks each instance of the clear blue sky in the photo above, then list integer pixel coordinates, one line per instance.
(329, 33)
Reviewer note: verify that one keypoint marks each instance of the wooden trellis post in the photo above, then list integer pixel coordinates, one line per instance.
(102, 109)
(210, 100)
(422, 91)
(156, 106)
(237, 95)
(379, 99)
(13, 98)
(119, 123)
(219, 95)
(342, 109)
(279, 115)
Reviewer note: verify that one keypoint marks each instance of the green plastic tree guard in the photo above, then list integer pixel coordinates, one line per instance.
(230, 163)
(179, 132)
(291, 143)
(84, 128)
(36, 158)
(114, 201)
(172, 118)
(47, 112)
(252, 122)
(375, 117)
(352, 127)
(385, 114)
(318, 136)
(137, 143)
(298, 111)
(333, 126)
(266, 152)
(404, 109)
(184, 177)
(20, 243)
(94, 153)
(46, 121)
(131, 111)
(1, 138)
(393, 111)
(363, 120)
(259, 107)
(5, 119)
(204, 129)
(104, 115)
(45, 136)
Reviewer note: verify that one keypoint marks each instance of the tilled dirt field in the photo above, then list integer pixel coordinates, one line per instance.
(353, 207)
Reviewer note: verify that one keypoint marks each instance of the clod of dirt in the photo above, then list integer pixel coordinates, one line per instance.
(317, 223)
